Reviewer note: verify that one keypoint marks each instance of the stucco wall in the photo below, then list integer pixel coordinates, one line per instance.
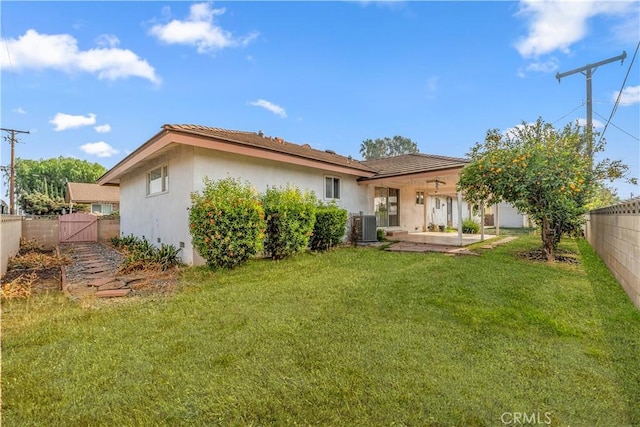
(165, 216)
(162, 217)
(509, 217)
(10, 233)
(614, 233)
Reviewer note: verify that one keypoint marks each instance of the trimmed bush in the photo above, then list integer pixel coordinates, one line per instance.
(290, 215)
(381, 235)
(469, 226)
(226, 222)
(329, 228)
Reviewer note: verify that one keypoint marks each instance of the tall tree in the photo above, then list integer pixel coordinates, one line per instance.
(545, 173)
(49, 178)
(387, 147)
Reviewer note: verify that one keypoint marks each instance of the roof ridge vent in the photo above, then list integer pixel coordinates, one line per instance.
(330, 151)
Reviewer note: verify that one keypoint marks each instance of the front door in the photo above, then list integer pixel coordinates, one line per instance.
(449, 212)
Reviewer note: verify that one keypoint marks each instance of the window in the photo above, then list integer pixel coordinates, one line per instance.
(437, 203)
(331, 187)
(420, 198)
(157, 181)
(101, 208)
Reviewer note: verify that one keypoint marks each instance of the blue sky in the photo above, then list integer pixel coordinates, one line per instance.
(95, 80)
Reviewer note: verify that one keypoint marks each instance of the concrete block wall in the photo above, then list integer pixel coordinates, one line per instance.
(614, 233)
(108, 228)
(10, 233)
(44, 230)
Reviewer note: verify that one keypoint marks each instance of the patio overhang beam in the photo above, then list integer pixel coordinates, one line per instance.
(410, 177)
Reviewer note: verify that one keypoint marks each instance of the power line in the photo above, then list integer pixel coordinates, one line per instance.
(588, 70)
(609, 122)
(615, 106)
(579, 106)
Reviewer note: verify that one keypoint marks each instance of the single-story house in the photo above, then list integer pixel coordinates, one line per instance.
(102, 199)
(407, 192)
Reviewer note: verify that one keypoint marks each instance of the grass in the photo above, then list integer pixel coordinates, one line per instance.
(357, 336)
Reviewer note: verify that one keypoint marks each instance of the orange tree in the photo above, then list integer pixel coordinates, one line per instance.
(544, 172)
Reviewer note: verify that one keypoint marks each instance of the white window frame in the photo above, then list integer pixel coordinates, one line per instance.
(109, 207)
(333, 187)
(164, 180)
(420, 197)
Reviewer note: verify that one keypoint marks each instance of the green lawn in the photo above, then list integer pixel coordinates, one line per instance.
(355, 337)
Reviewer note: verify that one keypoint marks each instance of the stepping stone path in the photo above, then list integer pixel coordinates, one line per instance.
(498, 242)
(94, 271)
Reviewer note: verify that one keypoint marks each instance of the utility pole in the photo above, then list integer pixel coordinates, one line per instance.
(588, 70)
(12, 175)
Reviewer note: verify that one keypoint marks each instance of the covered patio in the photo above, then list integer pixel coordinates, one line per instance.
(438, 238)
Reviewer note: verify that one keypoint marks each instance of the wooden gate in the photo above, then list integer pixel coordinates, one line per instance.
(78, 227)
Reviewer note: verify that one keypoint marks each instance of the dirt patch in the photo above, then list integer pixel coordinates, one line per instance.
(561, 255)
(34, 268)
(46, 279)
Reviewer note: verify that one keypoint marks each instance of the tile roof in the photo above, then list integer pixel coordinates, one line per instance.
(80, 192)
(258, 140)
(412, 163)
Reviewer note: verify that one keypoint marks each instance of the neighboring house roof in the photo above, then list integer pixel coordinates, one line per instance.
(408, 164)
(256, 144)
(80, 192)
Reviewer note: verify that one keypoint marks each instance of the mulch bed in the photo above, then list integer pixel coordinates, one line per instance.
(561, 255)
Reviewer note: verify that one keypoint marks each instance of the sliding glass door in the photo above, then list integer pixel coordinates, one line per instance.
(387, 206)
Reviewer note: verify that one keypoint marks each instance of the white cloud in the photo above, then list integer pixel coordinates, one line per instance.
(275, 109)
(102, 128)
(544, 66)
(100, 149)
(107, 40)
(199, 30)
(630, 95)
(20, 110)
(548, 66)
(61, 52)
(596, 123)
(67, 121)
(556, 25)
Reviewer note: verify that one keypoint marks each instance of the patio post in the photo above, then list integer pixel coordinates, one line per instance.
(459, 218)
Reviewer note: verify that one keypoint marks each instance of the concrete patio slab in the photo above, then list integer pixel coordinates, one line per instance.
(436, 238)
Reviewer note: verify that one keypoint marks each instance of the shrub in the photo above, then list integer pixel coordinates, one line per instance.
(142, 255)
(328, 231)
(381, 235)
(124, 242)
(469, 226)
(291, 215)
(226, 222)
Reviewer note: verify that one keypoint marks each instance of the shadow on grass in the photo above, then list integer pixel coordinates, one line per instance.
(621, 323)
